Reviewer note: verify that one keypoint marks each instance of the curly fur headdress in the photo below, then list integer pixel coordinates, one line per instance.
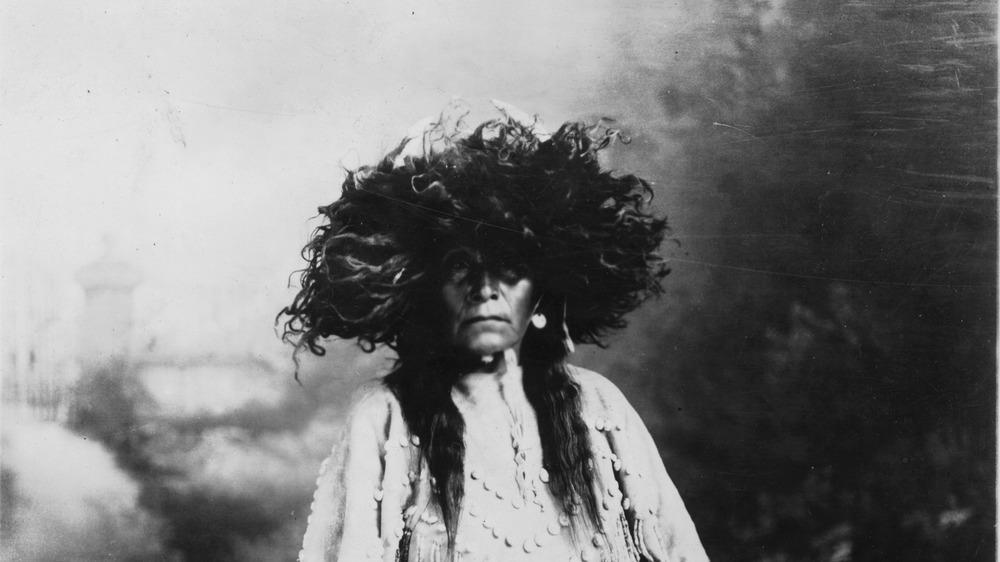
(586, 236)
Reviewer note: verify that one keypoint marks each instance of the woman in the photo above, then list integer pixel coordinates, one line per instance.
(479, 259)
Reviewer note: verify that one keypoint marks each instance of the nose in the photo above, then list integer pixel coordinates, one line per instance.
(483, 288)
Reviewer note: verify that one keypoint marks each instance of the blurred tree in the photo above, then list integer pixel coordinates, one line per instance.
(840, 360)
(106, 406)
(229, 486)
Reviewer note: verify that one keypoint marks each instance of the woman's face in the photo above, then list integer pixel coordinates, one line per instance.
(488, 303)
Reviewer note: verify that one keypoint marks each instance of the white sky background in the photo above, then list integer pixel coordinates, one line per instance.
(204, 135)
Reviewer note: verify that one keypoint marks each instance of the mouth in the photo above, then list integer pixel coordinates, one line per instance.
(477, 319)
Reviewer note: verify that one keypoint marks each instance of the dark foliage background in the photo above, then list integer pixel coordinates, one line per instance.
(831, 383)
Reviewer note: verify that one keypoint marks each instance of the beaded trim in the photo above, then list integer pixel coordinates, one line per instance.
(628, 546)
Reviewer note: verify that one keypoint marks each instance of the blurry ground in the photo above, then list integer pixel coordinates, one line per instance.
(64, 498)
(128, 478)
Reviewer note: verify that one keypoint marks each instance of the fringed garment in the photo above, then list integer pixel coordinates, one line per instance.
(373, 498)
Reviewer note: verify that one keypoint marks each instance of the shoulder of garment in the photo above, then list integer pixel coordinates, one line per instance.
(658, 521)
(351, 513)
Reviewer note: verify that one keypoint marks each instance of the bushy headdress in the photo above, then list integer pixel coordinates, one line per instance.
(585, 235)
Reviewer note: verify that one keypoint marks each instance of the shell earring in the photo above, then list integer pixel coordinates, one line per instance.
(538, 320)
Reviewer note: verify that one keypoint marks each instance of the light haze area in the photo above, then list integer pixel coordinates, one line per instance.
(201, 137)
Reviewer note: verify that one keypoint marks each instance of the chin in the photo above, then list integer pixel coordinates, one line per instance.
(486, 346)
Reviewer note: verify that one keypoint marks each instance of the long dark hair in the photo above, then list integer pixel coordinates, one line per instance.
(423, 386)
(585, 235)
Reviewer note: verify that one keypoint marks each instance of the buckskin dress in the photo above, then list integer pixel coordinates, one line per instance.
(374, 488)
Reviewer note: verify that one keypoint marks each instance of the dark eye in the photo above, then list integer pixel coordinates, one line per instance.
(512, 271)
(457, 268)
